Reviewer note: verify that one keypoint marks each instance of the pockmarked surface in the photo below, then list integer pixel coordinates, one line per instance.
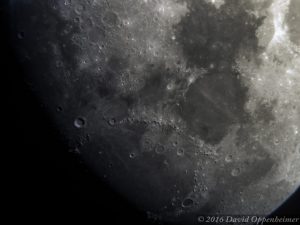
(186, 107)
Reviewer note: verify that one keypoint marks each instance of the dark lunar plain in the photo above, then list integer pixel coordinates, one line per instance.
(49, 182)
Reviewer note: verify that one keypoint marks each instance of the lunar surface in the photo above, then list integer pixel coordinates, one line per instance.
(185, 107)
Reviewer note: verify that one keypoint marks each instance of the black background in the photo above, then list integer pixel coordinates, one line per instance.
(45, 182)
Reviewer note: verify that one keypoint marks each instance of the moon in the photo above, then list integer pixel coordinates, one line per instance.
(185, 107)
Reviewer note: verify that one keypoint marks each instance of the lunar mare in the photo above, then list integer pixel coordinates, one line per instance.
(185, 107)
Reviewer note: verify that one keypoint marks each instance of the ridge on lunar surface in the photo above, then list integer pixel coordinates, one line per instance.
(194, 105)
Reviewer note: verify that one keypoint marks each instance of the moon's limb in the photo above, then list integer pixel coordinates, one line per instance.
(194, 105)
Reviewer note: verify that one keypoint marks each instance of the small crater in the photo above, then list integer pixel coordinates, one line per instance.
(187, 203)
(228, 158)
(110, 18)
(77, 19)
(21, 35)
(80, 122)
(159, 149)
(79, 9)
(59, 109)
(132, 155)
(112, 122)
(235, 172)
(147, 145)
(180, 152)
